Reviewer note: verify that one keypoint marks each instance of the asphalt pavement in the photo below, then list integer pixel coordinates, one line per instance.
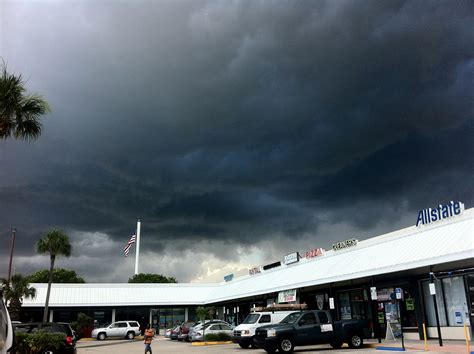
(166, 346)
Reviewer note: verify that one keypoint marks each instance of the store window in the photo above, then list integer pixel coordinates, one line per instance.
(345, 306)
(170, 317)
(451, 301)
(455, 300)
(429, 304)
(353, 304)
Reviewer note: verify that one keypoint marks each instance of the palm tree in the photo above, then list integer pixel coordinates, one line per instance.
(56, 243)
(15, 292)
(19, 113)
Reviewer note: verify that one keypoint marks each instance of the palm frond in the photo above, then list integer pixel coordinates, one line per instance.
(19, 114)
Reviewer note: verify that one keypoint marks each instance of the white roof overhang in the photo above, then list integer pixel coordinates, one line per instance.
(414, 247)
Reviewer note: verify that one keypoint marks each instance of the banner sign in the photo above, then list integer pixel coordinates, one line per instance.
(384, 294)
(287, 296)
(344, 244)
(255, 270)
(427, 216)
(315, 252)
(292, 258)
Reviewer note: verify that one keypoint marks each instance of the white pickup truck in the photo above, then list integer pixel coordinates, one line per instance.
(245, 332)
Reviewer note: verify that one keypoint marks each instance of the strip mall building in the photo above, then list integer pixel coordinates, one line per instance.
(385, 279)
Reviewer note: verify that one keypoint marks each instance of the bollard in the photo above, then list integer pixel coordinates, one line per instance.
(424, 337)
(467, 340)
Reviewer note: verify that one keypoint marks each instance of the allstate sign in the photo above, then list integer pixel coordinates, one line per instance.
(427, 216)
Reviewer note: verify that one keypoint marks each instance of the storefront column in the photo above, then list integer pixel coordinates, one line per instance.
(113, 315)
(185, 314)
(51, 313)
(150, 318)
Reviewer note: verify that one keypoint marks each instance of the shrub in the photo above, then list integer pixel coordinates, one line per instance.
(35, 343)
(217, 337)
(82, 326)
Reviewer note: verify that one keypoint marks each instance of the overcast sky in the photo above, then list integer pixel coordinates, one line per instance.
(237, 131)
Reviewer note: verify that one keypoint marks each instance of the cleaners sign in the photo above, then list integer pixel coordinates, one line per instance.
(427, 216)
(344, 244)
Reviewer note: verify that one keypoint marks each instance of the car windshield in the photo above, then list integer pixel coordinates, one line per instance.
(291, 318)
(251, 318)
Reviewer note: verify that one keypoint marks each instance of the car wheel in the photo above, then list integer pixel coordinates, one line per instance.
(253, 343)
(336, 344)
(244, 345)
(286, 345)
(101, 336)
(355, 341)
(130, 335)
(48, 351)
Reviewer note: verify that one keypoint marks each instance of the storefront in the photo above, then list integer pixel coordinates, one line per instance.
(454, 304)
(385, 279)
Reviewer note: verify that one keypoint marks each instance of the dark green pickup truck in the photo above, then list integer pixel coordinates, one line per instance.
(309, 328)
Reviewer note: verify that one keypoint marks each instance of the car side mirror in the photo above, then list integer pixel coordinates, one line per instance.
(302, 322)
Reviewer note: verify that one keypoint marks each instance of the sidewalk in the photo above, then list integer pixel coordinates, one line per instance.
(449, 346)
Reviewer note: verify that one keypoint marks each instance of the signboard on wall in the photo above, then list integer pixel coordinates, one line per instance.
(384, 294)
(441, 212)
(344, 244)
(291, 258)
(271, 265)
(287, 296)
(315, 252)
(255, 270)
(373, 293)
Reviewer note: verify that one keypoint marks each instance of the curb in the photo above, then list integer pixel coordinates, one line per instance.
(90, 339)
(199, 344)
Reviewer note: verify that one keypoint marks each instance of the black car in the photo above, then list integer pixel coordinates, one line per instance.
(69, 346)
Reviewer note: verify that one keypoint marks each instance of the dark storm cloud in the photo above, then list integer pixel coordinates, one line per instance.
(238, 122)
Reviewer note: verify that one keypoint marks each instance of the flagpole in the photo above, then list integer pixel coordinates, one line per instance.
(137, 254)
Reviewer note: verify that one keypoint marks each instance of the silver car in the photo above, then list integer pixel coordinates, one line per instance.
(198, 325)
(211, 328)
(124, 329)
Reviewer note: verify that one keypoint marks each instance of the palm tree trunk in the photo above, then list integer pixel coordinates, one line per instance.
(50, 281)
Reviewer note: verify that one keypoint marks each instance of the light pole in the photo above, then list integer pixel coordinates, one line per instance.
(11, 254)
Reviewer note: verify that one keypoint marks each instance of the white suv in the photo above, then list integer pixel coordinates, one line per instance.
(124, 329)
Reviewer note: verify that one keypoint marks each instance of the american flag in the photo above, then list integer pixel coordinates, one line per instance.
(126, 249)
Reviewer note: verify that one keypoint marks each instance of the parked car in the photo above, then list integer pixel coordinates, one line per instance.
(69, 344)
(168, 332)
(244, 333)
(211, 328)
(198, 325)
(175, 333)
(309, 328)
(124, 329)
(6, 330)
(184, 330)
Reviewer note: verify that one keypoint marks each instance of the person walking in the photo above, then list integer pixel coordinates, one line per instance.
(149, 334)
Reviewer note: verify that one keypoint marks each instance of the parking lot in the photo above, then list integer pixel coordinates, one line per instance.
(165, 346)
(162, 345)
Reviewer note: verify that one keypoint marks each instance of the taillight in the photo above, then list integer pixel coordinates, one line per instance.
(70, 340)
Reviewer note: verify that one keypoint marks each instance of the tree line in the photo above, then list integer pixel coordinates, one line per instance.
(55, 244)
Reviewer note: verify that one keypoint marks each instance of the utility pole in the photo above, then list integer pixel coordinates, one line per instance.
(13, 230)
